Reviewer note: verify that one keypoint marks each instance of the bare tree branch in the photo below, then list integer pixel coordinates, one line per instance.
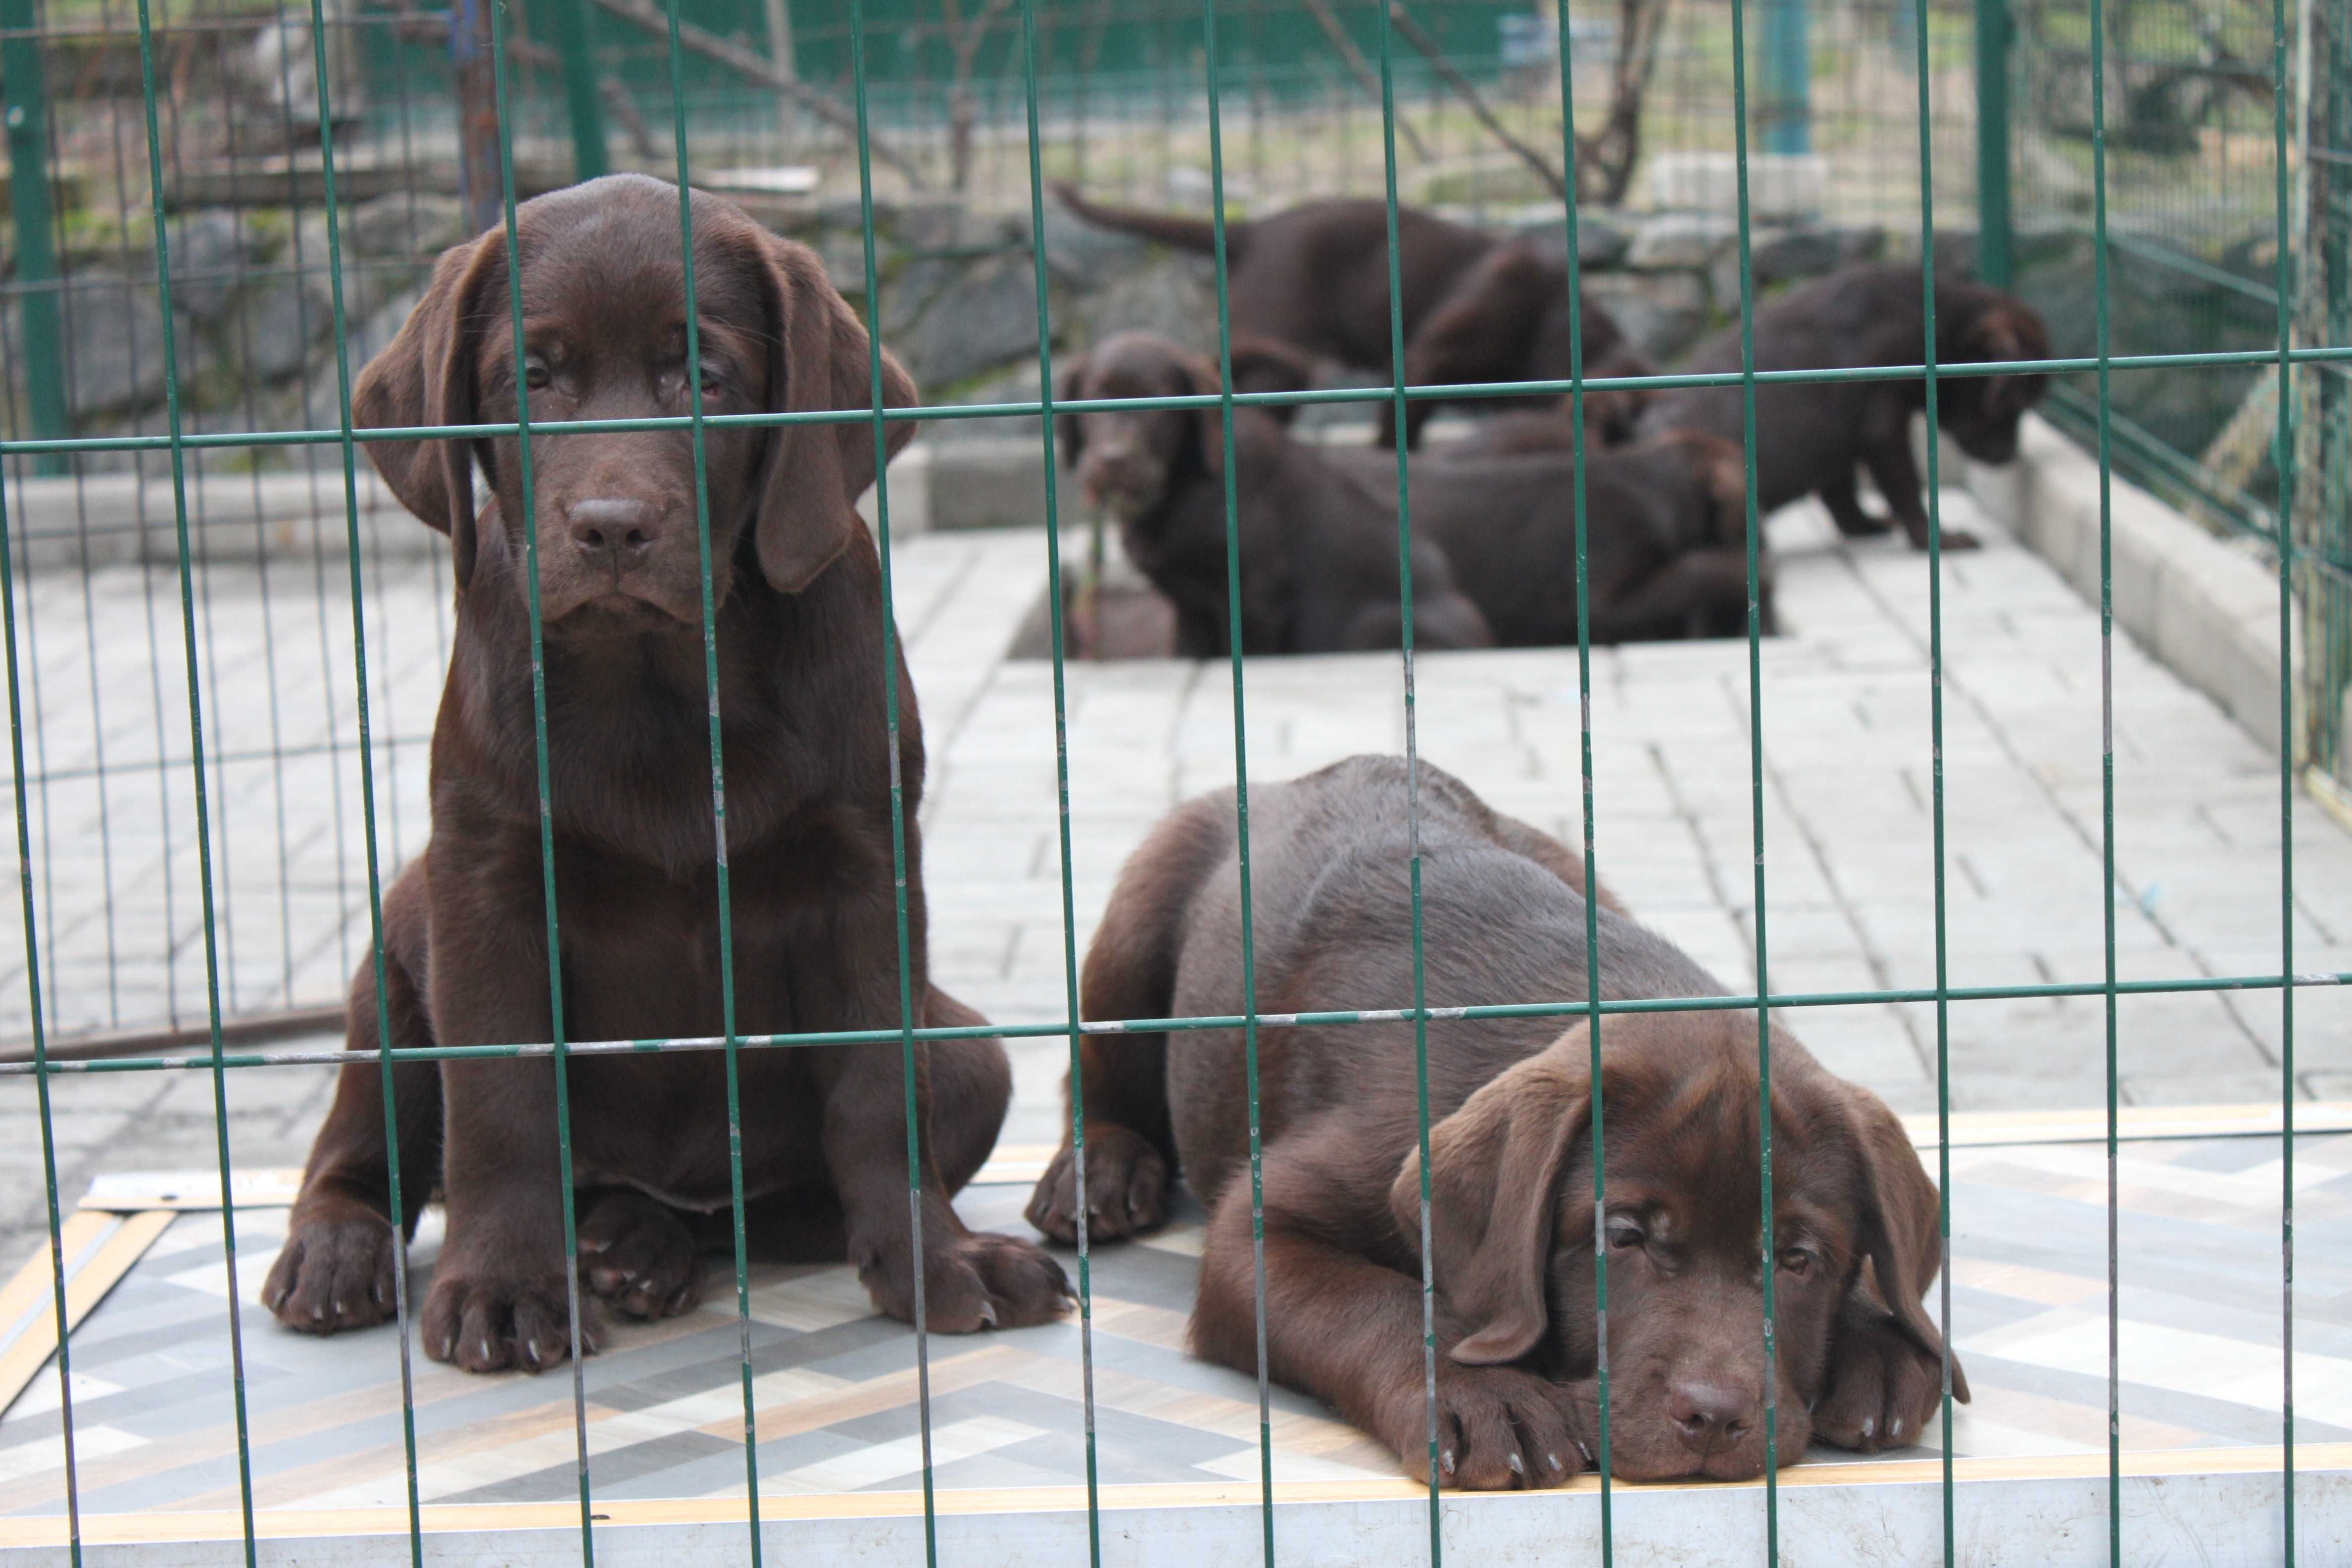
(1468, 94)
(1362, 69)
(759, 68)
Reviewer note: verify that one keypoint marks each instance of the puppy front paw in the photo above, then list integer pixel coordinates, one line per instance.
(1883, 1388)
(972, 1281)
(636, 1253)
(336, 1270)
(1498, 1428)
(1126, 1188)
(482, 1318)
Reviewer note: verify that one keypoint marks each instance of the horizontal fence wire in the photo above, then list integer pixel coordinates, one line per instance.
(908, 1036)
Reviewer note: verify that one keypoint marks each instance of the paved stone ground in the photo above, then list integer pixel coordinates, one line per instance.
(1849, 884)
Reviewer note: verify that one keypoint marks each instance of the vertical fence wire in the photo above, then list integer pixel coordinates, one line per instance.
(1240, 766)
(525, 478)
(890, 659)
(41, 1034)
(1412, 776)
(349, 452)
(575, 27)
(2107, 769)
(1932, 391)
(1770, 1251)
(1604, 1453)
(1056, 611)
(196, 763)
(2283, 459)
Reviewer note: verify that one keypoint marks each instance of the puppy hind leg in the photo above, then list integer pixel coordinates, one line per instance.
(1845, 503)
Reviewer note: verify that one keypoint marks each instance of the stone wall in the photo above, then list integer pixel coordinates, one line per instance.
(254, 316)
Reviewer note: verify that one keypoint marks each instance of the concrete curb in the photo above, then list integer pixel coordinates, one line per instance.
(2207, 610)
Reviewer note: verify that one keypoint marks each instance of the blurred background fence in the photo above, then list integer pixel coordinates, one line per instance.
(770, 113)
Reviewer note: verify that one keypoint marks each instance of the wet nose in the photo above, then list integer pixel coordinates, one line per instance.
(616, 528)
(1708, 1415)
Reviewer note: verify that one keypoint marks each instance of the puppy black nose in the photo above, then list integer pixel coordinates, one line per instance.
(1708, 1414)
(620, 529)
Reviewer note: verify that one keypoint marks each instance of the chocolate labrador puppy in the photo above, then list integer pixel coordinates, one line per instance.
(1810, 436)
(1512, 1219)
(1318, 552)
(1477, 307)
(807, 814)
(1666, 533)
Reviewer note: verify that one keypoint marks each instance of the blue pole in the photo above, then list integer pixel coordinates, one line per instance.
(1788, 77)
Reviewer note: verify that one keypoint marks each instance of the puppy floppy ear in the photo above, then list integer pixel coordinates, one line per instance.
(1262, 365)
(1069, 430)
(1720, 467)
(819, 358)
(2007, 328)
(425, 375)
(1899, 1236)
(1494, 1168)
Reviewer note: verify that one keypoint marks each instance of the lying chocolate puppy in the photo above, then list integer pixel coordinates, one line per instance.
(1810, 436)
(1511, 1219)
(1666, 533)
(808, 820)
(1318, 552)
(1477, 307)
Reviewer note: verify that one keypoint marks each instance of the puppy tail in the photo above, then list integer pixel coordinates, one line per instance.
(1195, 234)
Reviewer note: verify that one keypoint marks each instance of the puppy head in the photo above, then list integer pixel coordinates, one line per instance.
(1982, 412)
(1130, 461)
(1613, 413)
(604, 337)
(1514, 1227)
(1709, 476)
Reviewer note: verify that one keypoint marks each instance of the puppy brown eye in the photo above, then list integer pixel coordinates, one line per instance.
(712, 382)
(534, 373)
(1625, 1234)
(1796, 1259)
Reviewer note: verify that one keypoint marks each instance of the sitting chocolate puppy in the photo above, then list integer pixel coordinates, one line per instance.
(1512, 1220)
(632, 893)
(1810, 436)
(1318, 551)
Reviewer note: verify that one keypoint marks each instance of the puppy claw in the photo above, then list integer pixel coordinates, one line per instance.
(1518, 1465)
(988, 1314)
(1553, 1460)
(1445, 1460)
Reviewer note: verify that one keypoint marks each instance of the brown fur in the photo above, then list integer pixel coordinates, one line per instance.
(1318, 552)
(1477, 308)
(1511, 1103)
(1810, 437)
(798, 596)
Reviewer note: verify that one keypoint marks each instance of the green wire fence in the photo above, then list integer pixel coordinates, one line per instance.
(367, 759)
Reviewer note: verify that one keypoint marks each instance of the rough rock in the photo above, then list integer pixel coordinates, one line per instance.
(1661, 313)
(114, 336)
(1681, 241)
(405, 224)
(983, 318)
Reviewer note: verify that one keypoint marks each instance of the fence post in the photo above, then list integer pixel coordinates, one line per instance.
(1788, 76)
(472, 59)
(28, 118)
(1995, 262)
(575, 41)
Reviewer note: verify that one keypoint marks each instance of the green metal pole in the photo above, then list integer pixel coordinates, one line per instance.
(575, 41)
(1788, 76)
(1995, 262)
(37, 258)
